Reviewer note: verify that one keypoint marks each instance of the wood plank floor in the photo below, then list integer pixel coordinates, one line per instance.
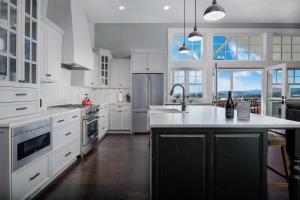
(118, 169)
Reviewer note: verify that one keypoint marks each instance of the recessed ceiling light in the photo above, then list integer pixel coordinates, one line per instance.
(121, 7)
(166, 7)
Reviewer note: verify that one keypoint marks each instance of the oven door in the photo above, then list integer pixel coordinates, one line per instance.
(90, 130)
(29, 146)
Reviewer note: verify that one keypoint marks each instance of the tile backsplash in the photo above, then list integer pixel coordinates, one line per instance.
(63, 93)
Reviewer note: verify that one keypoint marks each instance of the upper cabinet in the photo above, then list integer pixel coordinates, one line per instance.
(105, 58)
(147, 62)
(120, 73)
(50, 45)
(18, 36)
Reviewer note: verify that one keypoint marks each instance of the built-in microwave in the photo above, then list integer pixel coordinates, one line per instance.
(29, 142)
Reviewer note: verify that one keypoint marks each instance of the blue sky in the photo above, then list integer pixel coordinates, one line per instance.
(242, 80)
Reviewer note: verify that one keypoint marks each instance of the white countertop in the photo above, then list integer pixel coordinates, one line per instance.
(44, 114)
(212, 117)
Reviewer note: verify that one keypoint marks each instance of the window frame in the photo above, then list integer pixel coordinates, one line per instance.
(236, 36)
(187, 83)
(293, 83)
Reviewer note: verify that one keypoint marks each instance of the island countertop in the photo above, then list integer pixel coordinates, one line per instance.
(211, 117)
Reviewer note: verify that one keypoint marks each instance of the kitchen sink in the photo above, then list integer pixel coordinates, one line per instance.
(165, 110)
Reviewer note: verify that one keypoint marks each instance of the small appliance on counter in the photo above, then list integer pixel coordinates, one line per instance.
(86, 101)
(89, 124)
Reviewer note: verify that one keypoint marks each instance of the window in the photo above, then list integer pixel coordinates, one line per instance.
(294, 83)
(243, 83)
(195, 47)
(276, 82)
(286, 48)
(237, 47)
(192, 80)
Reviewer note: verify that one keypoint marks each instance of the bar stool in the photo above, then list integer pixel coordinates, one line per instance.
(277, 139)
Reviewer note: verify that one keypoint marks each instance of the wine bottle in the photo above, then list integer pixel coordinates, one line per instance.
(229, 106)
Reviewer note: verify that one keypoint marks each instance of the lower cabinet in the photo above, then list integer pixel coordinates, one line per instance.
(209, 164)
(62, 157)
(31, 178)
(181, 172)
(120, 118)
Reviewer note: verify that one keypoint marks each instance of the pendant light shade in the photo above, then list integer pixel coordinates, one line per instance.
(195, 35)
(184, 49)
(214, 12)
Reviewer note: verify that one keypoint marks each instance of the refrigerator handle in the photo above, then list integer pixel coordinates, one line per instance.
(148, 92)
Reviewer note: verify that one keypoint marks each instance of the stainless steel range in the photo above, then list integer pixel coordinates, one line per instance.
(89, 125)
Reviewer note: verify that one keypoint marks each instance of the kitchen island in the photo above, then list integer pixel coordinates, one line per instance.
(202, 155)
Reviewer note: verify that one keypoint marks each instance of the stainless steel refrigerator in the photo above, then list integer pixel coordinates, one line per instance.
(147, 89)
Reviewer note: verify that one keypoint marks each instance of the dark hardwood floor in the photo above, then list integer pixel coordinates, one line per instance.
(118, 169)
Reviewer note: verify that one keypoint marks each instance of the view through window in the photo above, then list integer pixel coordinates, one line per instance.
(244, 84)
(294, 83)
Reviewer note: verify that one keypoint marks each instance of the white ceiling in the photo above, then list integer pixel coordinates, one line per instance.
(151, 11)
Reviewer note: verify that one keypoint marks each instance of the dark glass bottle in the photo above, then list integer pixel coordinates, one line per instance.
(229, 106)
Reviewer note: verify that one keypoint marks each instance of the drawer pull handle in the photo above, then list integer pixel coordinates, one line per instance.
(21, 94)
(103, 116)
(120, 106)
(60, 121)
(74, 116)
(68, 154)
(68, 134)
(34, 177)
(119, 111)
(103, 127)
(48, 75)
(24, 108)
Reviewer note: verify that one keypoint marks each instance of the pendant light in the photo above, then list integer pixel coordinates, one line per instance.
(214, 12)
(184, 49)
(195, 35)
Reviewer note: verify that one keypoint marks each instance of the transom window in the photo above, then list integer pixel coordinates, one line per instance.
(294, 83)
(195, 49)
(286, 48)
(237, 47)
(192, 80)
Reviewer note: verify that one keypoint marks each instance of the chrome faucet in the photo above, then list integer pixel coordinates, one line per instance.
(183, 104)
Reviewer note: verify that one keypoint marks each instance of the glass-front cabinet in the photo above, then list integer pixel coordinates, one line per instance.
(104, 70)
(18, 42)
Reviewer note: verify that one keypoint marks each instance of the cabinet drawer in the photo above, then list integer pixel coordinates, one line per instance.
(29, 179)
(66, 134)
(59, 121)
(11, 94)
(73, 116)
(18, 109)
(120, 107)
(64, 155)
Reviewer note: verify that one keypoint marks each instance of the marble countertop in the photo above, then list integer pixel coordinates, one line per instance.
(44, 114)
(211, 117)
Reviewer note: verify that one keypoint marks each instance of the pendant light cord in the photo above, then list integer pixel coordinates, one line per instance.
(184, 22)
(195, 12)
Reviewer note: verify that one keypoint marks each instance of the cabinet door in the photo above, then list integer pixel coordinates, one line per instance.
(30, 43)
(156, 62)
(115, 120)
(139, 62)
(181, 167)
(238, 166)
(10, 73)
(125, 120)
(115, 74)
(125, 75)
(53, 55)
(89, 79)
(43, 53)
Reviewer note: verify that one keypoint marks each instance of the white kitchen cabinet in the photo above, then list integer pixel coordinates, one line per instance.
(105, 58)
(31, 178)
(147, 62)
(120, 73)
(103, 121)
(50, 46)
(120, 117)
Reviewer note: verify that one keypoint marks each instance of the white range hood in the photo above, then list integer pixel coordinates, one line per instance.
(77, 48)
